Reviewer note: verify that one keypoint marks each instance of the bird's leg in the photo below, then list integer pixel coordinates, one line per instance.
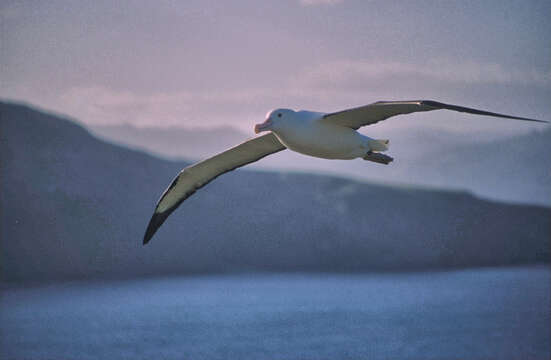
(378, 157)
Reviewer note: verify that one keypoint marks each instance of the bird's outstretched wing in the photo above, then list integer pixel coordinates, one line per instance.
(370, 114)
(198, 175)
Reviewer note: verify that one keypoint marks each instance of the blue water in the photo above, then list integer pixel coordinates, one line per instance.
(475, 314)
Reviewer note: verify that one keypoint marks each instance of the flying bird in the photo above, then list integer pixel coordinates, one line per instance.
(322, 135)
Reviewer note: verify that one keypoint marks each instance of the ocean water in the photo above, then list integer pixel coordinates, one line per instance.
(497, 313)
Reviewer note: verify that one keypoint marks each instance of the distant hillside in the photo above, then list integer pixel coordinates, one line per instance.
(515, 169)
(73, 206)
(172, 142)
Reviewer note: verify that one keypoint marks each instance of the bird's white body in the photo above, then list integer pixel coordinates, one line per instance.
(308, 135)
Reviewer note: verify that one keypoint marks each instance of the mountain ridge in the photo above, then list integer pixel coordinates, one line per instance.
(74, 206)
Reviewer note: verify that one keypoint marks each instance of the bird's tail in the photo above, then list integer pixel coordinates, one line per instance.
(378, 145)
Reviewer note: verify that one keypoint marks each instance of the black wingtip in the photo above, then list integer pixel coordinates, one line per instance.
(156, 221)
(440, 105)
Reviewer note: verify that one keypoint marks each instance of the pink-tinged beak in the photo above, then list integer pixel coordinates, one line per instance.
(263, 127)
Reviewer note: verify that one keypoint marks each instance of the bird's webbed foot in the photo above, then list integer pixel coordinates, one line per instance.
(378, 158)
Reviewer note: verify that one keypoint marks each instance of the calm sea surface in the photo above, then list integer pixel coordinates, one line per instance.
(501, 313)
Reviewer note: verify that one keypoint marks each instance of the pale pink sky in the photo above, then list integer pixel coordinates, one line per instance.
(208, 63)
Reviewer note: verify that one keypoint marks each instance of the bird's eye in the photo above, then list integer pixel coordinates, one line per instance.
(278, 115)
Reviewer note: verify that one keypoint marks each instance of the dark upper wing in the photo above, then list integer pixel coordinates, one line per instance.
(198, 175)
(381, 110)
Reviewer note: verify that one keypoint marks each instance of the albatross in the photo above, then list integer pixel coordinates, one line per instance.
(323, 135)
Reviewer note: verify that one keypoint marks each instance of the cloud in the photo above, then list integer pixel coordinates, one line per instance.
(319, 2)
(326, 87)
(357, 74)
(353, 74)
(97, 105)
(11, 11)
(101, 105)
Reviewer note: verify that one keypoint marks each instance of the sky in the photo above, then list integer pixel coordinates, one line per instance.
(213, 63)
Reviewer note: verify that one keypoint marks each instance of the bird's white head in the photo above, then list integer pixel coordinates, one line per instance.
(275, 120)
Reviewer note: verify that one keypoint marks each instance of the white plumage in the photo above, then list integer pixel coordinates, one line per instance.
(322, 135)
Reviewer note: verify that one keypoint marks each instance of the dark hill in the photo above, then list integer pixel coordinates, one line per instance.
(73, 206)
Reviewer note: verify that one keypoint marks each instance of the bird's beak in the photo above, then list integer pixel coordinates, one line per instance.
(263, 127)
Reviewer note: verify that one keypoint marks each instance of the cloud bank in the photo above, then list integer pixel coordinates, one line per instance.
(326, 87)
(319, 2)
